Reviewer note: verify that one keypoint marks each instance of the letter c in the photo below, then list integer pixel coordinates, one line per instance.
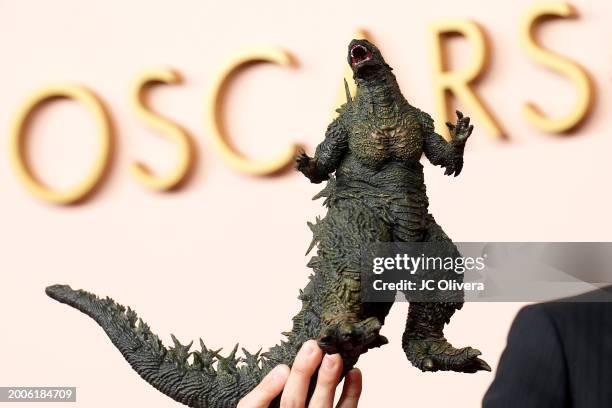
(214, 114)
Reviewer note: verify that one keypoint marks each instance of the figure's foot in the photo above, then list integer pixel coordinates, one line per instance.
(351, 338)
(440, 355)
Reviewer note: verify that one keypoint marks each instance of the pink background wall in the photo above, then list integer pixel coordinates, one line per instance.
(225, 253)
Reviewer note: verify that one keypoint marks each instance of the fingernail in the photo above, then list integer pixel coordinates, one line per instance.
(308, 348)
(278, 373)
(329, 363)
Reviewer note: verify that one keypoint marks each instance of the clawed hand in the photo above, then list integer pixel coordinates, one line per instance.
(308, 166)
(302, 161)
(462, 130)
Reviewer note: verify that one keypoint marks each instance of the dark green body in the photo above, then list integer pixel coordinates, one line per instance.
(377, 194)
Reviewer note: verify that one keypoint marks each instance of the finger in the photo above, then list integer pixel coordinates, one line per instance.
(327, 380)
(470, 130)
(268, 389)
(450, 126)
(459, 129)
(351, 390)
(304, 366)
(459, 114)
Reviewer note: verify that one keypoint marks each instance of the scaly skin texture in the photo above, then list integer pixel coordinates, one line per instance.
(376, 195)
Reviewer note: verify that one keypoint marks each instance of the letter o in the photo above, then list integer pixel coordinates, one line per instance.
(18, 143)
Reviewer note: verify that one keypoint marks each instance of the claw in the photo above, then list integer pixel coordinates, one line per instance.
(480, 364)
(439, 355)
(476, 365)
(351, 338)
(301, 160)
(428, 364)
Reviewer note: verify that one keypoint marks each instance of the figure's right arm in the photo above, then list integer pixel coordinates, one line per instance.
(328, 155)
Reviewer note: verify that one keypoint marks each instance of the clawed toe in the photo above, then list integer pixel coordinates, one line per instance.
(351, 338)
(477, 364)
(439, 355)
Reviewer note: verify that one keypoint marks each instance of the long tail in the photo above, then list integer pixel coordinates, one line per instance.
(195, 383)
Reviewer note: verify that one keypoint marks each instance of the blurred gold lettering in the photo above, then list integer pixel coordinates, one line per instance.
(179, 136)
(458, 82)
(17, 151)
(217, 131)
(573, 71)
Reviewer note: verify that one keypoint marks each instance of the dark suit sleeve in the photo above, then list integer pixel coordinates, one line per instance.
(532, 370)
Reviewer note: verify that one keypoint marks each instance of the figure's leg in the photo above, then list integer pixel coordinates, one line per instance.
(347, 326)
(423, 340)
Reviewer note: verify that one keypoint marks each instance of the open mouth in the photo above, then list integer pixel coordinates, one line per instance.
(360, 54)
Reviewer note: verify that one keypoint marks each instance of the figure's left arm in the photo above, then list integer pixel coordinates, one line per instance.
(441, 152)
(328, 155)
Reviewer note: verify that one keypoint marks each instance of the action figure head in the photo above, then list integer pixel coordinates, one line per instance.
(366, 61)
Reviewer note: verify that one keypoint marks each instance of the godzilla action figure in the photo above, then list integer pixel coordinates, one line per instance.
(377, 195)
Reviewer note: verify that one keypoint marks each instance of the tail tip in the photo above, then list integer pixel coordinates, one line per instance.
(55, 291)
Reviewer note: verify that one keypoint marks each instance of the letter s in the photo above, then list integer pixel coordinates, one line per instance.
(566, 67)
(174, 132)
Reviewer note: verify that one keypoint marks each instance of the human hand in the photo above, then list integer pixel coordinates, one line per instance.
(293, 383)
